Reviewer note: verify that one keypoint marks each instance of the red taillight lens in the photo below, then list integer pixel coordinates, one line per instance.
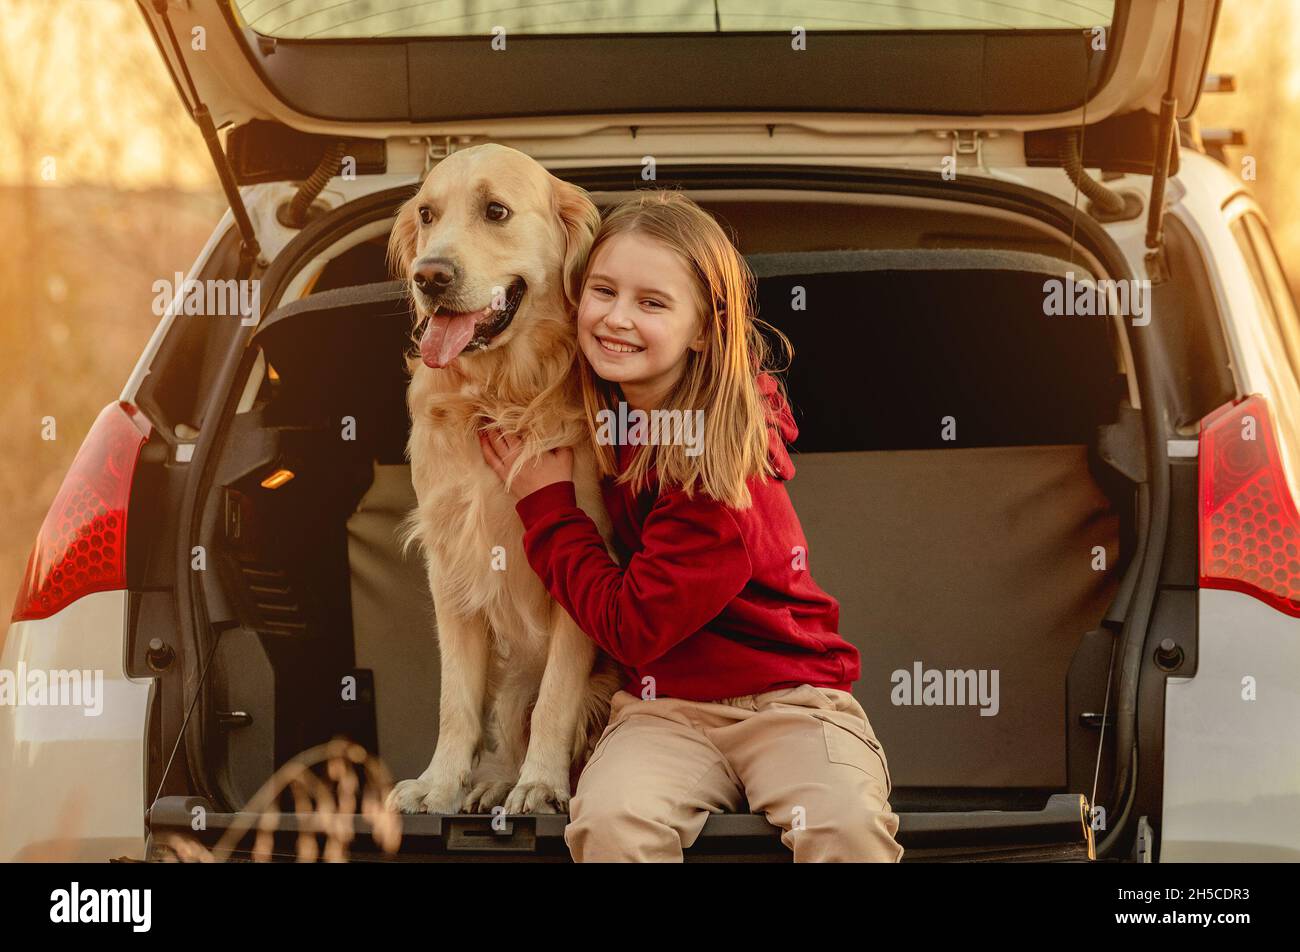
(1250, 530)
(81, 547)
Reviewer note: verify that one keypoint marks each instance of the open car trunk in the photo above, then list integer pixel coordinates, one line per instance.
(949, 479)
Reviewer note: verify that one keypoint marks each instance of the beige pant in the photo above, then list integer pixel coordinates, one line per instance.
(805, 757)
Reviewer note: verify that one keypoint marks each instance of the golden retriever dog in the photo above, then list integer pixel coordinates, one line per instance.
(492, 247)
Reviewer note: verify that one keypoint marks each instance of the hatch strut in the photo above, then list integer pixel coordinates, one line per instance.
(1164, 156)
(249, 250)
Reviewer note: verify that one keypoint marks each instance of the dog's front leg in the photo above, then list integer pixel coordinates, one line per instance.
(463, 647)
(543, 785)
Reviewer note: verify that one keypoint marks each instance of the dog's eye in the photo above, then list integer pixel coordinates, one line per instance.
(497, 212)
(426, 214)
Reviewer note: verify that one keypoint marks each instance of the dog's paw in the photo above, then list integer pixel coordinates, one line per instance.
(421, 796)
(538, 797)
(407, 796)
(486, 795)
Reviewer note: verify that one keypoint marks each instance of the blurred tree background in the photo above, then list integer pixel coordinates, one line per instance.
(105, 187)
(1258, 41)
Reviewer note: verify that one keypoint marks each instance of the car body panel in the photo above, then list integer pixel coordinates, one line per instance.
(74, 784)
(1208, 188)
(1232, 748)
(132, 386)
(1232, 765)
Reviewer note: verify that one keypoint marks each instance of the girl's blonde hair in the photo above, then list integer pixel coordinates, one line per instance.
(721, 379)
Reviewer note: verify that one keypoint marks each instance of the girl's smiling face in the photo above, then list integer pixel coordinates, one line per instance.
(638, 316)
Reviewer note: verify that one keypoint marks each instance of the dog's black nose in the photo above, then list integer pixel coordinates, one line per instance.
(432, 275)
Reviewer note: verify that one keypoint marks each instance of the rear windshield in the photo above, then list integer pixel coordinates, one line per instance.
(359, 19)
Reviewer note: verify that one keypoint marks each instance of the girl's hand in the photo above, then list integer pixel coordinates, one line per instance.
(500, 452)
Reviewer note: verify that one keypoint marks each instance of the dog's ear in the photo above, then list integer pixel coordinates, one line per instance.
(581, 218)
(402, 241)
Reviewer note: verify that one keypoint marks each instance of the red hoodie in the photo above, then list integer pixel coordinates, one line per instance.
(711, 602)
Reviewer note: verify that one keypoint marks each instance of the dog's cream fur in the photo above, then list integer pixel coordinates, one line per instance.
(505, 644)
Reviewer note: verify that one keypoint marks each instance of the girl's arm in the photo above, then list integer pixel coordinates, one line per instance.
(692, 563)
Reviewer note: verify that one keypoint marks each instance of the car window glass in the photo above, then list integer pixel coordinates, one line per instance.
(1279, 293)
(1257, 284)
(1277, 326)
(311, 19)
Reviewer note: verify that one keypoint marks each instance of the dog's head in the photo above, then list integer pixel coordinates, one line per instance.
(490, 241)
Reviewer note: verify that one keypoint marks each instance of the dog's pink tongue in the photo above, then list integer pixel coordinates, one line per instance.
(445, 338)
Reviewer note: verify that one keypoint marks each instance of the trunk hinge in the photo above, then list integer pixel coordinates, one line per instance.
(437, 148)
(250, 251)
(1157, 269)
(967, 142)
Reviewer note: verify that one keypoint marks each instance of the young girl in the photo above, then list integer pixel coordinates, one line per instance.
(743, 682)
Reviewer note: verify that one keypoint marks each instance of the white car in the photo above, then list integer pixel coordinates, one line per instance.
(1046, 376)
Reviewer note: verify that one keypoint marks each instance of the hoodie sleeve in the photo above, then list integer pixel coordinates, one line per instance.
(692, 563)
(781, 428)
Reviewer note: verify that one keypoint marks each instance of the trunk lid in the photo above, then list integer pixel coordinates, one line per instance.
(390, 67)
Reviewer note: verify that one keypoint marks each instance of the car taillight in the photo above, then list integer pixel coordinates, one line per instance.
(1250, 530)
(81, 547)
